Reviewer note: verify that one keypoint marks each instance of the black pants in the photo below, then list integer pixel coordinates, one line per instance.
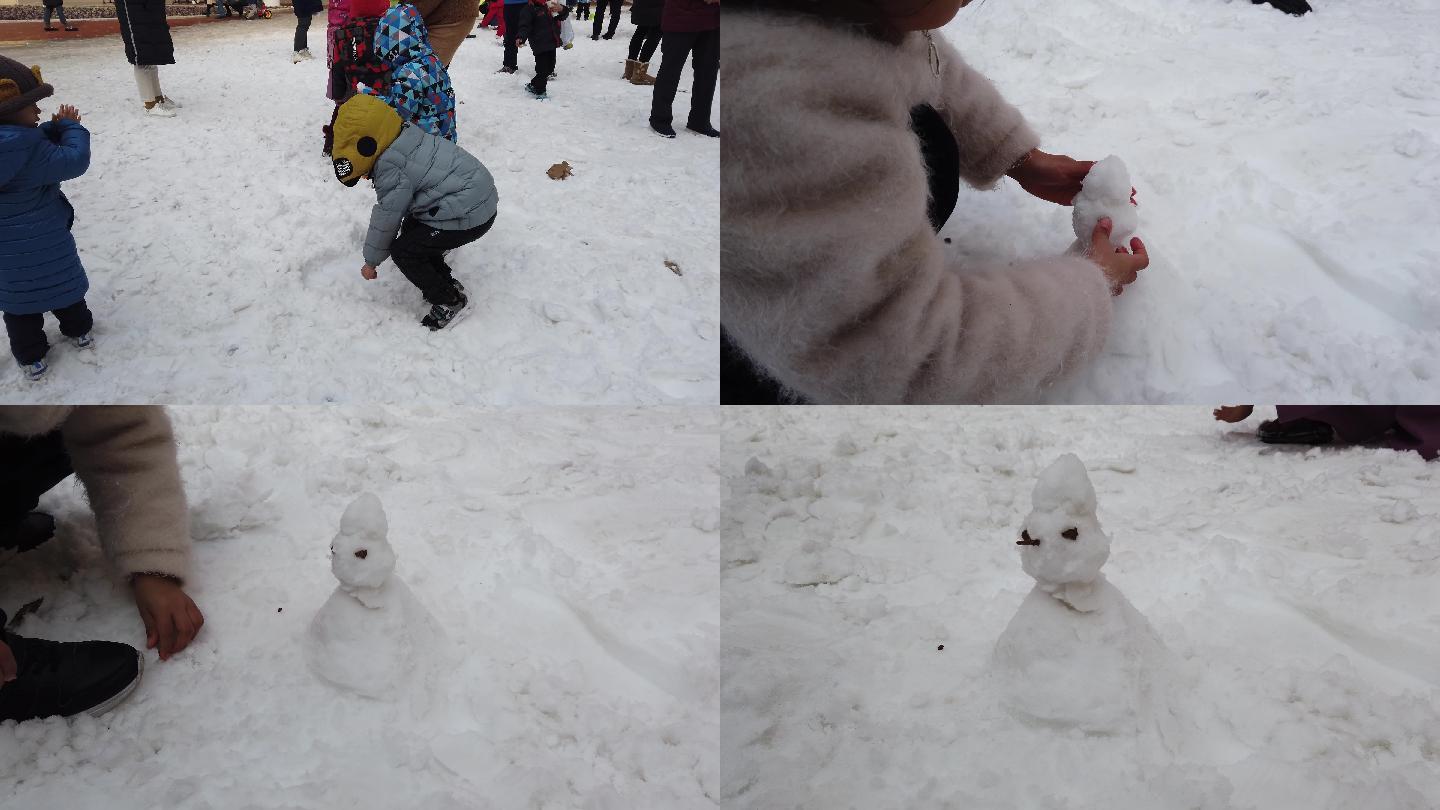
(27, 332)
(600, 16)
(302, 28)
(512, 12)
(544, 66)
(706, 64)
(419, 252)
(644, 42)
(29, 468)
(582, 11)
(60, 10)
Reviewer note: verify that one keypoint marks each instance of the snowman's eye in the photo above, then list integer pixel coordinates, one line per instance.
(361, 553)
(1070, 534)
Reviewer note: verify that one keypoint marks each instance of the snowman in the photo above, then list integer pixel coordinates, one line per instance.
(372, 634)
(1077, 654)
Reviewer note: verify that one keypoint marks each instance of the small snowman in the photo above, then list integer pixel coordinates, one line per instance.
(1077, 654)
(1105, 192)
(372, 633)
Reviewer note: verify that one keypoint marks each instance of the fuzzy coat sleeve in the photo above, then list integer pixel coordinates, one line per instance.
(832, 278)
(125, 457)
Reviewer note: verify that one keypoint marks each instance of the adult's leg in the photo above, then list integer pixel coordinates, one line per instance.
(614, 17)
(48, 10)
(674, 50)
(75, 320)
(512, 14)
(27, 337)
(652, 41)
(637, 39)
(60, 12)
(706, 65)
(147, 79)
(302, 29)
(599, 19)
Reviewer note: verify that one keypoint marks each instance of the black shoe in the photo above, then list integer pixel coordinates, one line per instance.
(1296, 431)
(442, 315)
(1295, 7)
(595, 36)
(66, 678)
(32, 530)
(704, 129)
(51, 28)
(663, 130)
(608, 35)
(508, 69)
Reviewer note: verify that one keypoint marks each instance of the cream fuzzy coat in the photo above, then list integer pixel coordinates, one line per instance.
(125, 457)
(831, 276)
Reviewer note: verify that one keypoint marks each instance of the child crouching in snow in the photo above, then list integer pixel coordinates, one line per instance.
(857, 123)
(40, 269)
(419, 88)
(540, 26)
(435, 194)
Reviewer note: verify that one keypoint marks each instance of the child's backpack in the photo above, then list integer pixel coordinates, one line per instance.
(353, 59)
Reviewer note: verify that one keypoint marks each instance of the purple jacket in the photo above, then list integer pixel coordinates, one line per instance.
(682, 16)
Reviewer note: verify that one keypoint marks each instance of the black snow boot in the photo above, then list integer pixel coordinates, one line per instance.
(442, 315)
(1295, 7)
(1298, 431)
(32, 530)
(66, 678)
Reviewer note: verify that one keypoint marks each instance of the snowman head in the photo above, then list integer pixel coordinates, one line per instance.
(1061, 541)
(360, 555)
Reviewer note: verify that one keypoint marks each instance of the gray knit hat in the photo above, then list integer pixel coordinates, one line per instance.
(20, 86)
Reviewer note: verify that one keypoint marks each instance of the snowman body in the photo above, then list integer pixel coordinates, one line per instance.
(1076, 654)
(372, 634)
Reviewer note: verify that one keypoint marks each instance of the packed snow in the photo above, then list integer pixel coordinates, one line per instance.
(1288, 174)
(224, 258)
(569, 557)
(1105, 192)
(1266, 637)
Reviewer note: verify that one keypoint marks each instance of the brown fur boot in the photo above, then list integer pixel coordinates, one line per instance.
(642, 74)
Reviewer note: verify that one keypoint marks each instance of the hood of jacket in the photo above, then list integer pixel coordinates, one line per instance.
(401, 37)
(364, 127)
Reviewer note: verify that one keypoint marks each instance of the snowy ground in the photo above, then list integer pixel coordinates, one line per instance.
(570, 556)
(1297, 589)
(1288, 172)
(224, 257)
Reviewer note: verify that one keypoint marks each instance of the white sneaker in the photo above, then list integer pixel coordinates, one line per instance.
(169, 103)
(306, 53)
(159, 111)
(83, 342)
(298, 58)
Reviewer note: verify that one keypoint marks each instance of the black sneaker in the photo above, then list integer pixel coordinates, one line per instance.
(608, 35)
(442, 315)
(663, 130)
(508, 69)
(32, 530)
(67, 678)
(1296, 431)
(704, 129)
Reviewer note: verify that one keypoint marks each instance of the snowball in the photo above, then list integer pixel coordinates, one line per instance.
(360, 556)
(1105, 192)
(1062, 505)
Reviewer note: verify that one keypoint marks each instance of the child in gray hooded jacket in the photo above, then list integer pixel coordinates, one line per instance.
(436, 195)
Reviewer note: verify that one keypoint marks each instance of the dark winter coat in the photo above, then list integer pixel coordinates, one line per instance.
(646, 12)
(353, 59)
(311, 7)
(40, 268)
(685, 16)
(540, 28)
(53, 3)
(145, 31)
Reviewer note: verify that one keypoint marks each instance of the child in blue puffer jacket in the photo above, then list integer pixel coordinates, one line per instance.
(40, 268)
(419, 84)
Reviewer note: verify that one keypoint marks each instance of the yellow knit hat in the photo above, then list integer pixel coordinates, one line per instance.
(364, 127)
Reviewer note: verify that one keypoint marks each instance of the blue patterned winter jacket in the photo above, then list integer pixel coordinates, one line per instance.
(40, 268)
(419, 86)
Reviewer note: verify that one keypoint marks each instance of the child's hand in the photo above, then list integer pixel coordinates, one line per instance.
(171, 619)
(8, 668)
(1233, 413)
(1120, 267)
(67, 111)
(368, 272)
